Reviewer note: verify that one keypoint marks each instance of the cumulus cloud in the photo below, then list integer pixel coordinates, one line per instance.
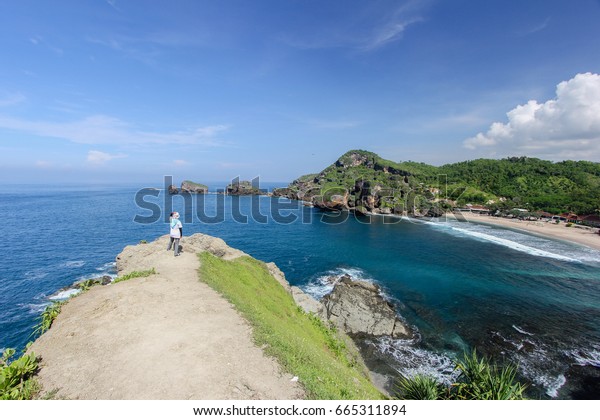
(97, 157)
(102, 129)
(566, 127)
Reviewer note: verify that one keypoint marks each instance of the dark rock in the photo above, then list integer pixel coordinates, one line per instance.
(358, 308)
(173, 189)
(242, 188)
(105, 280)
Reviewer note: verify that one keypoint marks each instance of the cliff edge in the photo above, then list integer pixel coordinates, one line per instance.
(166, 336)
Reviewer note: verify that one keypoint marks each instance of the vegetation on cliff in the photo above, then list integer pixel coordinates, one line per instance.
(194, 187)
(479, 379)
(364, 182)
(302, 343)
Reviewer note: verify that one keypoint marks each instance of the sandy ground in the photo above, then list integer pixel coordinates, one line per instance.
(582, 236)
(167, 336)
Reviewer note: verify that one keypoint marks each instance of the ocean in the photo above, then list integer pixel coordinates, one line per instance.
(514, 297)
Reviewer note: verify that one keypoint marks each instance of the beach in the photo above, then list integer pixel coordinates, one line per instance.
(577, 234)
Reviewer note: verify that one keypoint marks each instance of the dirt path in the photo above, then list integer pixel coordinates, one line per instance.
(167, 336)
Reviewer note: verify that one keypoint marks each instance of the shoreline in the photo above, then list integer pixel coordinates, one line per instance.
(580, 236)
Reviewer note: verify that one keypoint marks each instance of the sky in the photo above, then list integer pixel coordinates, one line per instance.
(131, 90)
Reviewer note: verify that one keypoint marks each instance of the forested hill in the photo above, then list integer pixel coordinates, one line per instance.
(362, 180)
(530, 183)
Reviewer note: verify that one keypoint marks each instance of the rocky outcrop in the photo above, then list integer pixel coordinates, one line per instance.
(331, 202)
(173, 189)
(242, 188)
(358, 308)
(364, 183)
(193, 187)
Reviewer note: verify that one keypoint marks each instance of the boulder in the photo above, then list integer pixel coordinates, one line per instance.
(173, 189)
(358, 308)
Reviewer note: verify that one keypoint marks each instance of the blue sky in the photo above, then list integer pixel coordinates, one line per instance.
(130, 91)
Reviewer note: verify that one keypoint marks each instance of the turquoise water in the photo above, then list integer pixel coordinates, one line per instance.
(516, 297)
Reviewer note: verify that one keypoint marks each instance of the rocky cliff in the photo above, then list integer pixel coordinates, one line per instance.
(242, 188)
(362, 182)
(358, 308)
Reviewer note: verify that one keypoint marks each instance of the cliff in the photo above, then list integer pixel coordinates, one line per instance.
(363, 182)
(171, 336)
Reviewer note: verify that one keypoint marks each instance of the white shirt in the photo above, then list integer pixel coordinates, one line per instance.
(175, 225)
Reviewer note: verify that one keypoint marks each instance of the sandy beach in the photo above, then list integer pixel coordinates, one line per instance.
(579, 235)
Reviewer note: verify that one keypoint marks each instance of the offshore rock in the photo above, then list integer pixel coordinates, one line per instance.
(242, 188)
(173, 189)
(193, 187)
(358, 308)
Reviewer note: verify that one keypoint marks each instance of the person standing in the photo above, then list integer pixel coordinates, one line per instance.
(176, 233)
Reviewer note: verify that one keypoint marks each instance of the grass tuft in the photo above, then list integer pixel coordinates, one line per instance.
(135, 274)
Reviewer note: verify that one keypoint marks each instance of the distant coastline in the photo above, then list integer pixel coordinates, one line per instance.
(577, 234)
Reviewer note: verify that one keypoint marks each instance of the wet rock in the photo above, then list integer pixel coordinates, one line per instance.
(358, 308)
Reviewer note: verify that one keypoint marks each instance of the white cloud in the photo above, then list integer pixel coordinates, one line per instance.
(102, 129)
(12, 99)
(180, 162)
(566, 127)
(97, 157)
(395, 24)
(389, 32)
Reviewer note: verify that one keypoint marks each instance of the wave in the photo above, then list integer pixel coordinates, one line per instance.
(522, 331)
(323, 284)
(585, 357)
(36, 308)
(537, 362)
(64, 294)
(412, 360)
(36, 274)
(72, 264)
(108, 267)
(516, 241)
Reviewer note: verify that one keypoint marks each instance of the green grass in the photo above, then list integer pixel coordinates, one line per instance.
(135, 274)
(302, 343)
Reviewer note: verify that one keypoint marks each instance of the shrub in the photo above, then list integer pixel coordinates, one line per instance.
(419, 387)
(48, 317)
(16, 382)
(479, 379)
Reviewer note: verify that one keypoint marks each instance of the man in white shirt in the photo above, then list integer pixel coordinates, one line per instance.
(176, 233)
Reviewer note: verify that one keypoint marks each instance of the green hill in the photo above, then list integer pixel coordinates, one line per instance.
(364, 182)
